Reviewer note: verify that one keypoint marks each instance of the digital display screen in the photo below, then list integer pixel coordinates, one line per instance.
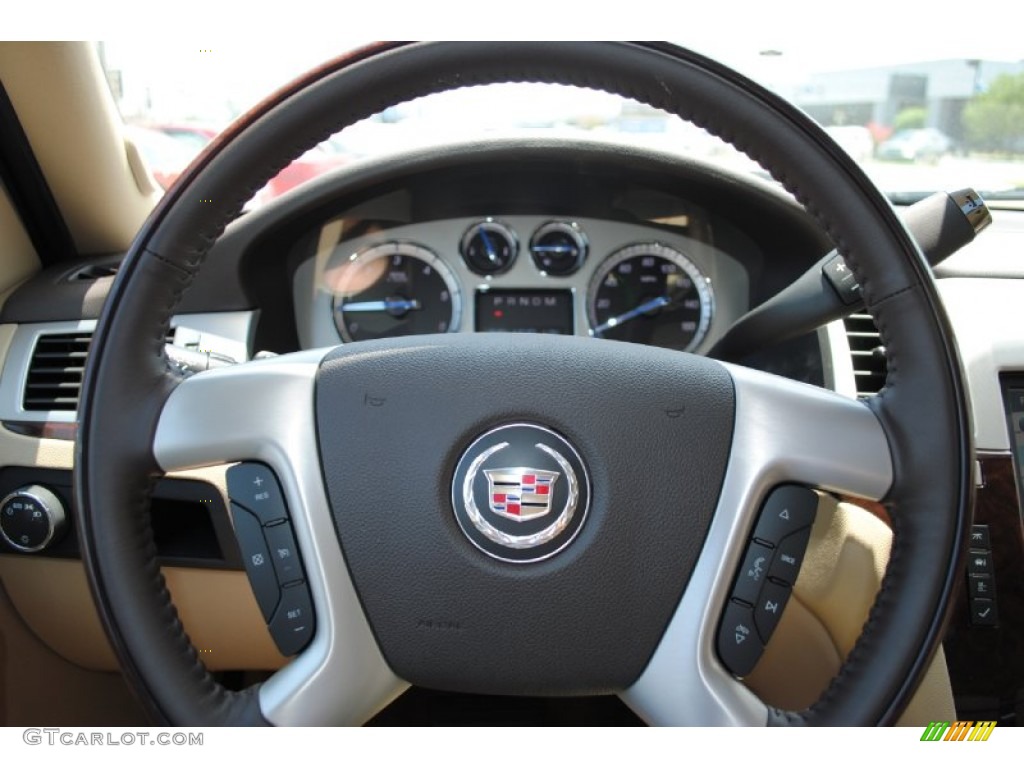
(1013, 398)
(539, 311)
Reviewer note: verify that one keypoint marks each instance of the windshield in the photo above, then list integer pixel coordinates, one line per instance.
(924, 113)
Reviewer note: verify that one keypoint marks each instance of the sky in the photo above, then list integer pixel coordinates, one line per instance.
(204, 47)
(296, 34)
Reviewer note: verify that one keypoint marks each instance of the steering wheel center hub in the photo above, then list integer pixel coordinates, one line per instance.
(521, 493)
(465, 502)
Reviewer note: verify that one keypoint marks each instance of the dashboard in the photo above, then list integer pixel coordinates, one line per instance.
(592, 239)
(539, 236)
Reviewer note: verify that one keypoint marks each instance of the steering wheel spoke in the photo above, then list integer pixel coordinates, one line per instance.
(263, 411)
(787, 431)
(778, 438)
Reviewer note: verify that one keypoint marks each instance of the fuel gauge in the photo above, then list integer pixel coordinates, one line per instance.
(489, 247)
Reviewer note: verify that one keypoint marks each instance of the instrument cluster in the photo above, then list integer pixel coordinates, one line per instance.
(527, 274)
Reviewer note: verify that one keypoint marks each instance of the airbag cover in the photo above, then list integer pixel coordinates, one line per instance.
(653, 429)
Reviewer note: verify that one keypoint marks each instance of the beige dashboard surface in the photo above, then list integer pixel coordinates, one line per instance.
(216, 607)
(846, 559)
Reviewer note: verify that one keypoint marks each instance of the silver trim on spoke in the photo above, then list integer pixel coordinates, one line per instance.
(264, 411)
(778, 437)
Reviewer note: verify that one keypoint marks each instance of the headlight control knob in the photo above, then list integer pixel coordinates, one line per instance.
(31, 518)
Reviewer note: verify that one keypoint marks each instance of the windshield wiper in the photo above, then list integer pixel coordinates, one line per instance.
(1005, 194)
(909, 198)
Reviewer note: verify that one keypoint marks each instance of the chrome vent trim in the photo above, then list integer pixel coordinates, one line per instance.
(867, 354)
(55, 372)
(44, 362)
(54, 379)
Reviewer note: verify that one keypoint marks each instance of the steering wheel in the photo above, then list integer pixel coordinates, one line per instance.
(377, 446)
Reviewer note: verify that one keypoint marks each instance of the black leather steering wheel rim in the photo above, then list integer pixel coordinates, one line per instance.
(922, 409)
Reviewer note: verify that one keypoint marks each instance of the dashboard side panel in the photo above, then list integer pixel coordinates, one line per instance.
(986, 315)
(216, 607)
(51, 596)
(43, 688)
(987, 662)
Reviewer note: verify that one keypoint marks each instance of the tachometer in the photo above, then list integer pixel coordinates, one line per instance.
(393, 289)
(651, 294)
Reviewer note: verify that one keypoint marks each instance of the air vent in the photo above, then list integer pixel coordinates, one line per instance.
(55, 372)
(94, 272)
(869, 367)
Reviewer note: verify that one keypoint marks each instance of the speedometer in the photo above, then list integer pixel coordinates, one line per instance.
(393, 289)
(651, 294)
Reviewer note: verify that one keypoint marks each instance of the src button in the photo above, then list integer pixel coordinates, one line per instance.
(789, 556)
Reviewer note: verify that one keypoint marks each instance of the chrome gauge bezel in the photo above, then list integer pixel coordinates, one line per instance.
(574, 232)
(701, 283)
(502, 230)
(411, 250)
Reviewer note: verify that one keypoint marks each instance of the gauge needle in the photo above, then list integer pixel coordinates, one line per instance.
(385, 305)
(489, 246)
(625, 317)
(554, 248)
